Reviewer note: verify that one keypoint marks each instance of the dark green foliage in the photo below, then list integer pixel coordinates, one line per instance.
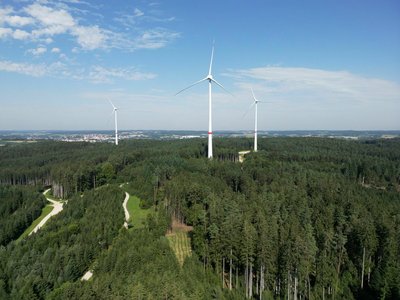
(141, 265)
(63, 250)
(298, 211)
(19, 207)
(306, 214)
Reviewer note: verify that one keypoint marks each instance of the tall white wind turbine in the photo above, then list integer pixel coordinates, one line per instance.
(210, 80)
(255, 120)
(116, 124)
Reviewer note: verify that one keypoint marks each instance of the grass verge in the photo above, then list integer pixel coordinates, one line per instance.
(45, 211)
(137, 215)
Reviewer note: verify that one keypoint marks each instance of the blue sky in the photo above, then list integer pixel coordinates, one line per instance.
(316, 64)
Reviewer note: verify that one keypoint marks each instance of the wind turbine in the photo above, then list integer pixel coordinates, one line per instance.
(116, 124)
(255, 120)
(210, 80)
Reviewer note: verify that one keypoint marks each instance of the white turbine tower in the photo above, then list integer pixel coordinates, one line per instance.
(210, 80)
(255, 120)
(116, 124)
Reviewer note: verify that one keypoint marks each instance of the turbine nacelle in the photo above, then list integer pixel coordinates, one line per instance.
(254, 97)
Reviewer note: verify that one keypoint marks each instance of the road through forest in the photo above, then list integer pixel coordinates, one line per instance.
(57, 208)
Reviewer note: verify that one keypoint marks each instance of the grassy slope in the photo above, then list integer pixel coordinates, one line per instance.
(180, 243)
(45, 211)
(137, 214)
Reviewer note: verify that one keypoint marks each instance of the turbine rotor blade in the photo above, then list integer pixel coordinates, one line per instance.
(112, 104)
(248, 110)
(254, 97)
(220, 85)
(186, 88)
(211, 61)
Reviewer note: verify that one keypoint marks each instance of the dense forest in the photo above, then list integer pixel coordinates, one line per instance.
(303, 218)
(19, 207)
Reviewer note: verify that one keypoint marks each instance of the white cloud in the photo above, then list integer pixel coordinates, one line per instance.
(90, 38)
(13, 20)
(49, 16)
(100, 74)
(316, 84)
(49, 31)
(19, 34)
(304, 98)
(55, 50)
(138, 13)
(96, 74)
(5, 32)
(149, 39)
(56, 69)
(131, 20)
(38, 51)
(43, 20)
(60, 21)
(22, 68)
(155, 38)
(18, 21)
(4, 12)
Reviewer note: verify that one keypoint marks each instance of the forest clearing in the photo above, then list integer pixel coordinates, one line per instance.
(137, 215)
(178, 237)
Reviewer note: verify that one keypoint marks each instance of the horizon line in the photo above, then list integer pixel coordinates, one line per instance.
(194, 130)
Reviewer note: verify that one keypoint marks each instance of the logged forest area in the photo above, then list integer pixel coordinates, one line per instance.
(302, 218)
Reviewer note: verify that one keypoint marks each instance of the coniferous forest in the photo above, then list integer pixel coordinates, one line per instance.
(303, 218)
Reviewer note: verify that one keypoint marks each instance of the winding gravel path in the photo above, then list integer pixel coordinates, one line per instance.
(124, 204)
(57, 207)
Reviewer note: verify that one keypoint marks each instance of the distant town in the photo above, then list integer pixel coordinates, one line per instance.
(93, 136)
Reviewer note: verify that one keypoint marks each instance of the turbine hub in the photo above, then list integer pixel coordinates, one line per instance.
(209, 77)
